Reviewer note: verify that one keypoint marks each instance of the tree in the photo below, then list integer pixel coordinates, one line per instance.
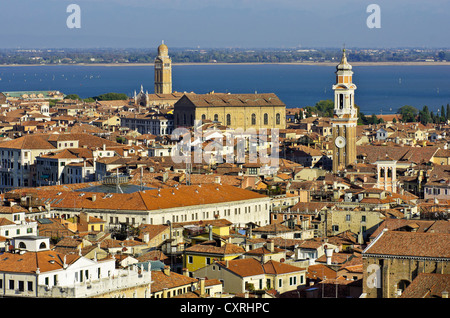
(111, 96)
(424, 115)
(72, 96)
(408, 113)
(325, 108)
(448, 111)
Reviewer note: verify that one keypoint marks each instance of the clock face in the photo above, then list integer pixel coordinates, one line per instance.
(340, 141)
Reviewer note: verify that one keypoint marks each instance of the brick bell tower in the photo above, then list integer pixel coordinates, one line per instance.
(345, 117)
(163, 71)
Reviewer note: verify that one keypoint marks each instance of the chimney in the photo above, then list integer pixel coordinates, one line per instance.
(202, 286)
(146, 237)
(217, 179)
(444, 294)
(210, 232)
(94, 197)
(167, 270)
(185, 272)
(271, 246)
(328, 253)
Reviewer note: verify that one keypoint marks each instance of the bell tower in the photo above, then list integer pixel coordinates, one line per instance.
(345, 117)
(163, 71)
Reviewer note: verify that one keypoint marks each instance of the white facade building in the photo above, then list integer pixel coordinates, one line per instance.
(45, 273)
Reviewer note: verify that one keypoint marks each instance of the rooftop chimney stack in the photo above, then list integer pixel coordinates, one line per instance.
(328, 253)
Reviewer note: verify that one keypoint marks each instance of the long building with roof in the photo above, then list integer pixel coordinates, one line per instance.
(236, 111)
(156, 206)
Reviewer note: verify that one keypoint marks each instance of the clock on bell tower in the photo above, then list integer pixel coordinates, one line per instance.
(344, 118)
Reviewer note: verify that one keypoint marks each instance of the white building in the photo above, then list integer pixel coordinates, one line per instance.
(36, 271)
(177, 204)
(155, 124)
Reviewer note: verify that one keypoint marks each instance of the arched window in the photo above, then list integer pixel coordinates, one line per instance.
(228, 119)
(216, 117)
(22, 245)
(278, 119)
(266, 119)
(203, 117)
(42, 245)
(253, 119)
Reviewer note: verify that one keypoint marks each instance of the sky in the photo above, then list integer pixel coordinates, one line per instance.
(224, 23)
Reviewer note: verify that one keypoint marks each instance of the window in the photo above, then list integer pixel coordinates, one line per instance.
(11, 284)
(293, 280)
(347, 217)
(208, 261)
(228, 119)
(278, 119)
(280, 283)
(266, 119)
(363, 218)
(190, 260)
(335, 228)
(253, 119)
(216, 117)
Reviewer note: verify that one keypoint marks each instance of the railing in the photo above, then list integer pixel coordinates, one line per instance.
(125, 279)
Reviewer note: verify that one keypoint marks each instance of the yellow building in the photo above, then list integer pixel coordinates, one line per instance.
(163, 71)
(201, 255)
(244, 111)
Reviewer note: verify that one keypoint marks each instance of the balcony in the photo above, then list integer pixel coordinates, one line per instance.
(123, 279)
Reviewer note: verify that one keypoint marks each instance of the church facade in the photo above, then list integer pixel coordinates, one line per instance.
(236, 111)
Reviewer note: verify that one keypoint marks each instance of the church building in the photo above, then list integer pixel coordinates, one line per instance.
(236, 111)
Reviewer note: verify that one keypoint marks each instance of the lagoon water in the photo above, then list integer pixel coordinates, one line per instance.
(381, 89)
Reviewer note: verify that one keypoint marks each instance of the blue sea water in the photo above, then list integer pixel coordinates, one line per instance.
(381, 89)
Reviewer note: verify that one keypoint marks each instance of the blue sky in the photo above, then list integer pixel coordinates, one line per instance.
(224, 23)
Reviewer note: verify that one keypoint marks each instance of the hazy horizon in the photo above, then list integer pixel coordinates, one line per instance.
(224, 24)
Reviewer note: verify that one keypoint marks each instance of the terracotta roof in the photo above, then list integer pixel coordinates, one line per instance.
(152, 229)
(413, 244)
(4, 221)
(277, 268)
(161, 281)
(147, 200)
(226, 249)
(30, 261)
(155, 255)
(319, 272)
(427, 285)
(403, 154)
(28, 142)
(222, 99)
(439, 226)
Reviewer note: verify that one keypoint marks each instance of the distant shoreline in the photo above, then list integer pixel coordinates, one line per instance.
(245, 63)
